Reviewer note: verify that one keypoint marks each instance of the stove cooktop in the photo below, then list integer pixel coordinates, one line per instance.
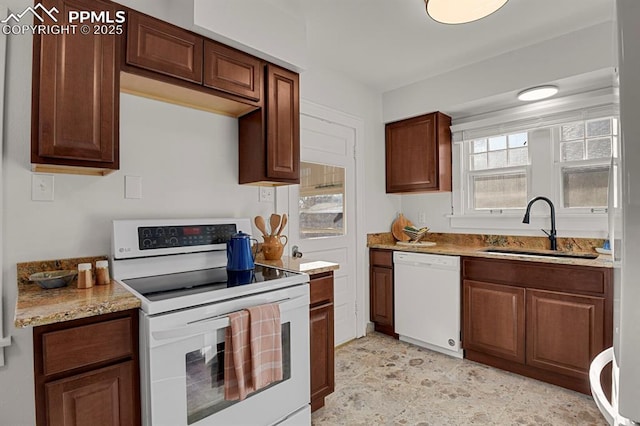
(169, 286)
(162, 293)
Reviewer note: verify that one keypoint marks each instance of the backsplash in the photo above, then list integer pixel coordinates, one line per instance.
(25, 269)
(484, 240)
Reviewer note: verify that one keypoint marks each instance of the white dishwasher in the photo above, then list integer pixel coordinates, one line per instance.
(427, 301)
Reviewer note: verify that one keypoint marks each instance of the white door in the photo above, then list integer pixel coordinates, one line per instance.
(322, 211)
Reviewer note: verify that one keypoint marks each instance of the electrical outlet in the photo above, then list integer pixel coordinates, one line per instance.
(41, 187)
(266, 194)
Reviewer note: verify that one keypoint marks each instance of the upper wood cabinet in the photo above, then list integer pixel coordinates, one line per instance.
(75, 102)
(418, 154)
(161, 47)
(270, 137)
(232, 71)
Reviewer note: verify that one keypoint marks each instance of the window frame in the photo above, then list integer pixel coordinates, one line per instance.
(467, 176)
(559, 165)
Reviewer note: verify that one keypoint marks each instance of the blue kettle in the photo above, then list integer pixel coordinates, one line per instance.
(239, 256)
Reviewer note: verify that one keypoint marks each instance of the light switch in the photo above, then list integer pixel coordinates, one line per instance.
(422, 218)
(41, 187)
(133, 187)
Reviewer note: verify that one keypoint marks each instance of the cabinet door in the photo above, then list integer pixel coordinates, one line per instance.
(283, 124)
(564, 331)
(418, 154)
(322, 353)
(232, 71)
(100, 397)
(164, 48)
(494, 320)
(381, 296)
(75, 94)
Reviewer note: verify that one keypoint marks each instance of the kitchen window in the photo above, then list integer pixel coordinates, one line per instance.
(321, 202)
(584, 150)
(497, 173)
(501, 160)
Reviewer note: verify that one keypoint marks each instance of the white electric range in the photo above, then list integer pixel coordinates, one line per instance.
(177, 268)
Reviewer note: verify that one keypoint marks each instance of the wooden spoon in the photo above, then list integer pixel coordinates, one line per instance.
(261, 225)
(274, 221)
(282, 224)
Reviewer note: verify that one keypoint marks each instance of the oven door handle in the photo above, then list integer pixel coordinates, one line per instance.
(208, 325)
(191, 330)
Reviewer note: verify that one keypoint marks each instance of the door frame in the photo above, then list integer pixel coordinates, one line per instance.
(333, 116)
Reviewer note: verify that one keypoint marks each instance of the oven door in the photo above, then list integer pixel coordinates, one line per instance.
(183, 370)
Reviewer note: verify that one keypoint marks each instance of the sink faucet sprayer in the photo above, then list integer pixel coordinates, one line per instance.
(552, 233)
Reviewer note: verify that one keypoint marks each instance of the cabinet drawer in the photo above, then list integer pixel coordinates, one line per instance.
(85, 345)
(163, 48)
(546, 276)
(321, 290)
(381, 258)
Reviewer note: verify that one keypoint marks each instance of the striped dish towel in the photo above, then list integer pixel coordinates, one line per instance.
(253, 353)
(237, 357)
(266, 344)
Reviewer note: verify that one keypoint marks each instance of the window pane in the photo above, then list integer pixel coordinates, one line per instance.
(321, 203)
(497, 159)
(599, 148)
(518, 157)
(499, 142)
(518, 140)
(500, 191)
(599, 128)
(572, 131)
(478, 161)
(572, 151)
(585, 186)
(479, 146)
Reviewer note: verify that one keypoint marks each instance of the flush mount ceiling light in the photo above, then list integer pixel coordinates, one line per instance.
(537, 93)
(461, 11)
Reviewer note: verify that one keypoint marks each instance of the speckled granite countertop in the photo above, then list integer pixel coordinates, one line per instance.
(474, 246)
(36, 306)
(308, 266)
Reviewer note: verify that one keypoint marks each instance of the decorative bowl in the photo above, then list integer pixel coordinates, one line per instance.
(414, 233)
(53, 279)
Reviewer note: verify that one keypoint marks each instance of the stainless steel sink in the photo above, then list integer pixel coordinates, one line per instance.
(521, 252)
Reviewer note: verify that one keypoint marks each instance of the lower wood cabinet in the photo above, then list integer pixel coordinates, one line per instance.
(86, 371)
(381, 291)
(542, 320)
(494, 319)
(564, 331)
(321, 338)
(99, 397)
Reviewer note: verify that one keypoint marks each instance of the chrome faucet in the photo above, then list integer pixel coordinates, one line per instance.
(551, 234)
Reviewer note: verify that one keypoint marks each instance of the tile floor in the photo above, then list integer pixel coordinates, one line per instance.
(382, 381)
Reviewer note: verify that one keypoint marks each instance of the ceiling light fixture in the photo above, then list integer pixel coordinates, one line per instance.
(461, 11)
(537, 93)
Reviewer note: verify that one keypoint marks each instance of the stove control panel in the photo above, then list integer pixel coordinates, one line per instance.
(161, 237)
